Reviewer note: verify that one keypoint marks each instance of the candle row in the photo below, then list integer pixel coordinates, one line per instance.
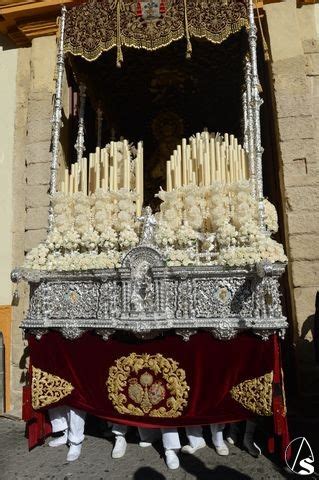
(108, 169)
(207, 158)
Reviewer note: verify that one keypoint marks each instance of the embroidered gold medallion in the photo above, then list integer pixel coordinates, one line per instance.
(255, 394)
(47, 388)
(148, 385)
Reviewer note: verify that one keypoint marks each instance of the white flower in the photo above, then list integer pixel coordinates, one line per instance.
(128, 238)
(164, 234)
(109, 239)
(186, 236)
(90, 239)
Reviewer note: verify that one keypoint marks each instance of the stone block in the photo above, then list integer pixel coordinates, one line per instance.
(304, 246)
(18, 242)
(314, 85)
(298, 149)
(311, 45)
(37, 196)
(293, 105)
(43, 66)
(303, 222)
(292, 66)
(301, 172)
(312, 64)
(38, 174)
(33, 238)
(38, 153)
(305, 308)
(296, 127)
(39, 126)
(291, 84)
(305, 273)
(37, 218)
(302, 198)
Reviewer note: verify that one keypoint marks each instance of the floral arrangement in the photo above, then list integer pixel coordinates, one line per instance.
(218, 225)
(215, 225)
(88, 232)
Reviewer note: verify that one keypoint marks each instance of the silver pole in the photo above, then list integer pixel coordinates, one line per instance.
(256, 103)
(57, 115)
(80, 140)
(250, 137)
(245, 125)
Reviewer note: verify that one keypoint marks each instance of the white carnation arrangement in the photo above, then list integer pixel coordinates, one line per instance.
(215, 225)
(218, 225)
(88, 232)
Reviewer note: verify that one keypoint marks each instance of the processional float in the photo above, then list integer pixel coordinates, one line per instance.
(171, 318)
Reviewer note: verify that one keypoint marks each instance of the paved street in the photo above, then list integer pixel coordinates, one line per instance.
(16, 462)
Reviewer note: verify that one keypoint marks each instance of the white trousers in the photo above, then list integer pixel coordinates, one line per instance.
(170, 437)
(118, 429)
(194, 435)
(70, 419)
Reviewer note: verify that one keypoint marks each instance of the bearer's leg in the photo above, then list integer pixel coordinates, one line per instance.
(171, 444)
(120, 444)
(59, 423)
(76, 420)
(195, 438)
(218, 439)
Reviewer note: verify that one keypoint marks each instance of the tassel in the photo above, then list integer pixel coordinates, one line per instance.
(189, 45)
(139, 9)
(119, 56)
(189, 49)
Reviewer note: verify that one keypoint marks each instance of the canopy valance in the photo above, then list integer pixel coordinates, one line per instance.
(99, 25)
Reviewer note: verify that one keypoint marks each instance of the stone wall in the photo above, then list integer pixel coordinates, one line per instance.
(31, 170)
(294, 42)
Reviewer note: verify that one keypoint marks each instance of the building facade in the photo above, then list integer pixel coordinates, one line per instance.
(27, 65)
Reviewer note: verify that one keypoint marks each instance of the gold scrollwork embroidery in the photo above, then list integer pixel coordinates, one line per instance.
(47, 388)
(255, 394)
(138, 383)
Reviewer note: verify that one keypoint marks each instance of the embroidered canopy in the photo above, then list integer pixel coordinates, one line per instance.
(99, 25)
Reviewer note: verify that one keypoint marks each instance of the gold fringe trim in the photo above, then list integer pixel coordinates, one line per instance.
(255, 394)
(47, 388)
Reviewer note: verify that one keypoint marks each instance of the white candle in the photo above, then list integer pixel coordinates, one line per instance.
(66, 180)
(115, 168)
(76, 177)
(168, 177)
(126, 165)
(212, 160)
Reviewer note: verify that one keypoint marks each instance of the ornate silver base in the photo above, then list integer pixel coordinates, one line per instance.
(146, 297)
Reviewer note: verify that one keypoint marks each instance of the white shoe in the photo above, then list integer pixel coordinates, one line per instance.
(230, 440)
(189, 449)
(172, 460)
(74, 452)
(222, 450)
(119, 447)
(58, 441)
(145, 444)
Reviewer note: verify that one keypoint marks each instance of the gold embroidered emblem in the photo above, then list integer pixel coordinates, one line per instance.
(138, 383)
(47, 388)
(255, 394)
